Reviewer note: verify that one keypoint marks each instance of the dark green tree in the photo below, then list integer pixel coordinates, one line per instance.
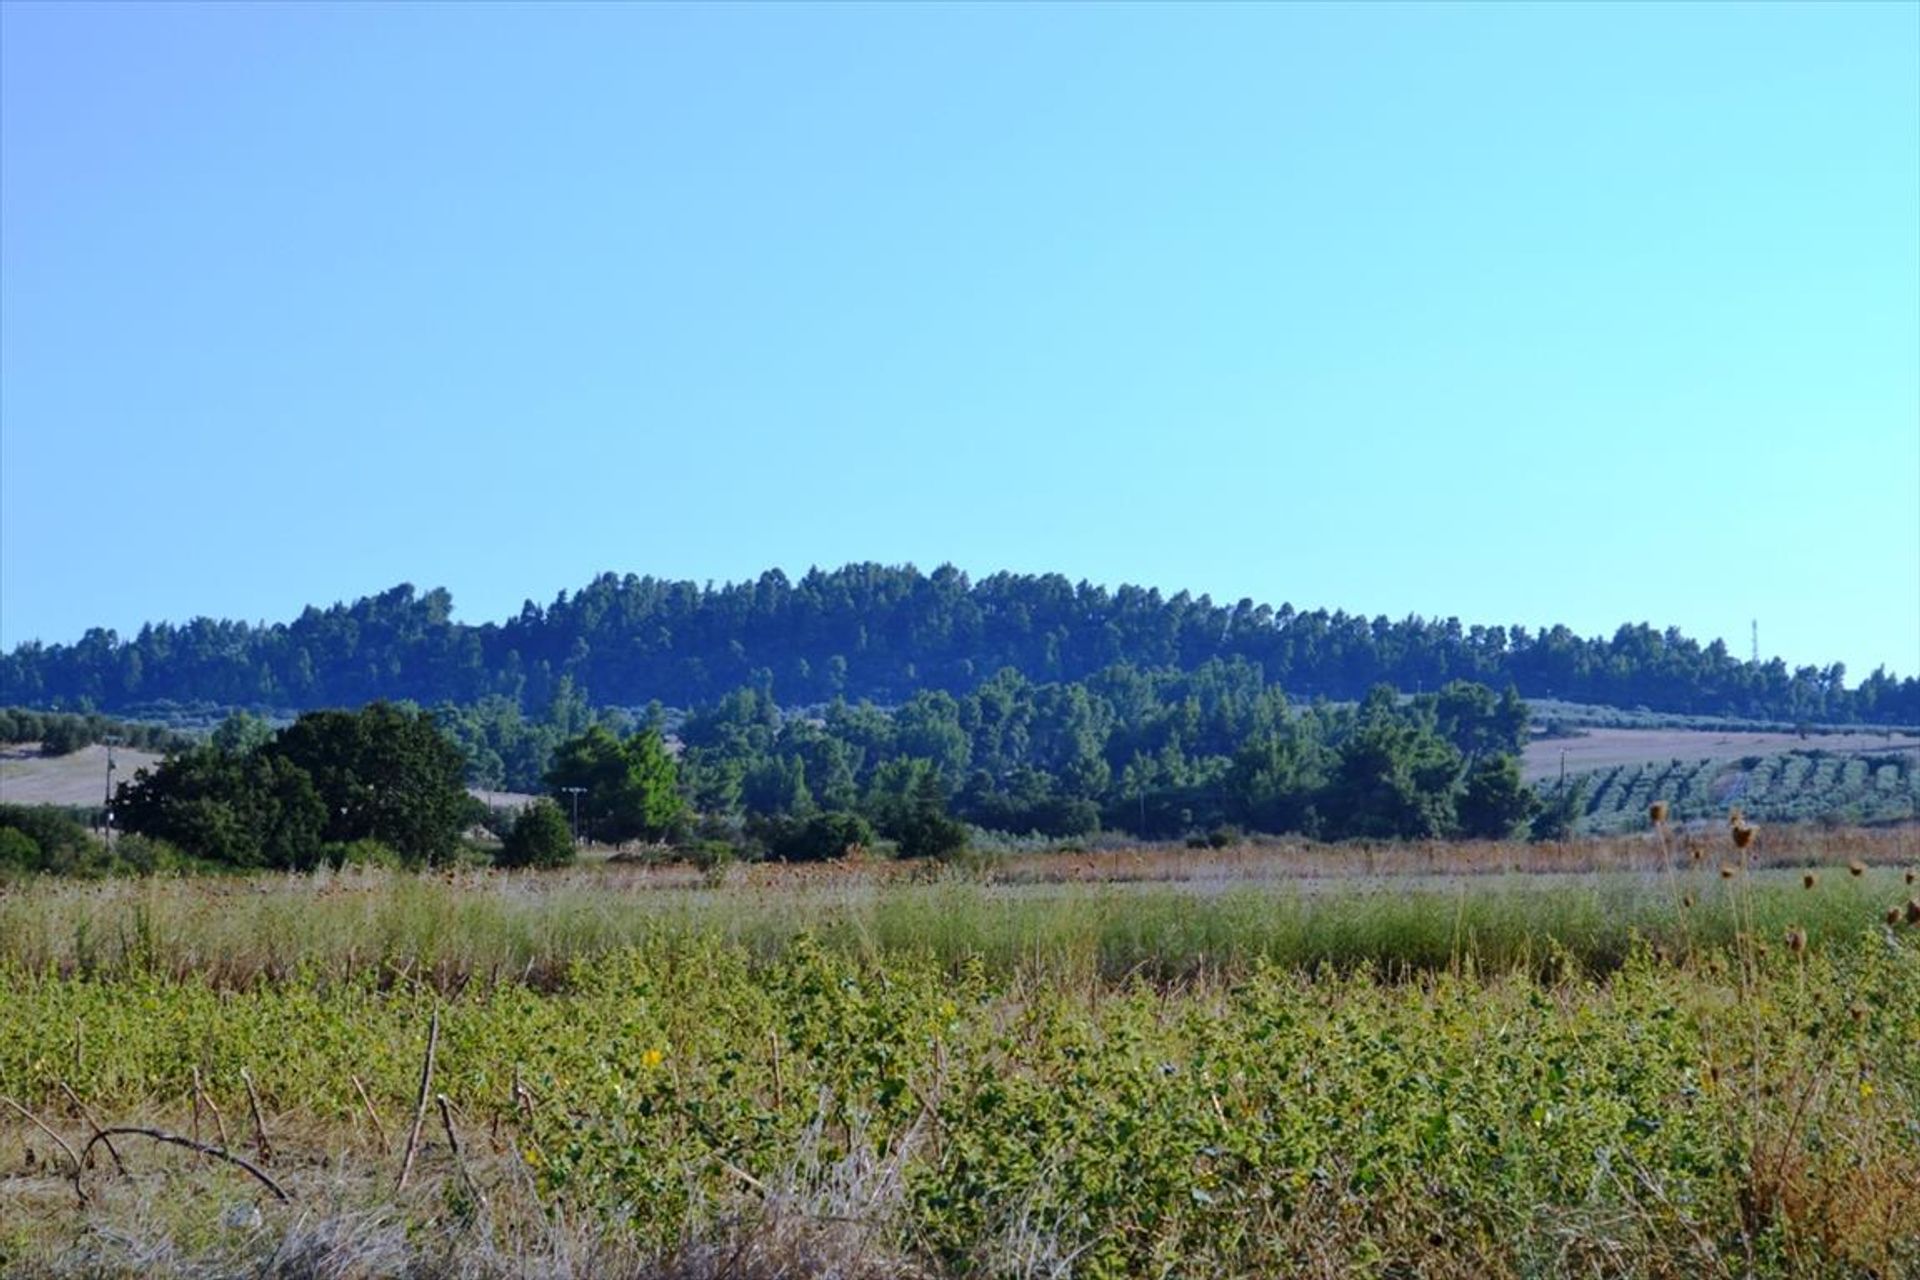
(1392, 777)
(630, 789)
(539, 837)
(908, 804)
(248, 811)
(1560, 811)
(384, 773)
(1495, 802)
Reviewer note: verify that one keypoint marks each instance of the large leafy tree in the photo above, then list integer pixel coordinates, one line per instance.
(244, 810)
(628, 789)
(384, 773)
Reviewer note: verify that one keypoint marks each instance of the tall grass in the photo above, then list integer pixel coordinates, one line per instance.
(494, 928)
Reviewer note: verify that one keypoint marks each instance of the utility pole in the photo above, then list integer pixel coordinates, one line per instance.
(1756, 642)
(111, 741)
(575, 793)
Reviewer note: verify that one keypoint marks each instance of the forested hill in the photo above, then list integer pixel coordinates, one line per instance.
(882, 632)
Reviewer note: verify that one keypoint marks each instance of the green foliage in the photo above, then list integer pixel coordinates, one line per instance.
(1560, 811)
(148, 855)
(1469, 716)
(1495, 802)
(817, 838)
(242, 734)
(61, 733)
(362, 853)
(539, 837)
(908, 805)
(1392, 777)
(891, 635)
(255, 810)
(629, 789)
(1269, 1121)
(50, 840)
(18, 850)
(383, 773)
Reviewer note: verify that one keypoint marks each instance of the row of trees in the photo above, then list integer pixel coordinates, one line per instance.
(62, 733)
(883, 633)
(1160, 754)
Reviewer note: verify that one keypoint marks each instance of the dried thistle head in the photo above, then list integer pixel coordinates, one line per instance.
(1657, 811)
(1855, 867)
(1796, 940)
(1909, 875)
(1742, 836)
(1686, 901)
(1913, 910)
(1726, 872)
(1808, 880)
(1893, 915)
(1695, 850)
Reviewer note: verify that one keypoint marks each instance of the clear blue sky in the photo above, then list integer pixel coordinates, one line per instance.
(1518, 314)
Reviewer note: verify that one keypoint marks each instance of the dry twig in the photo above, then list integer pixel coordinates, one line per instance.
(420, 1107)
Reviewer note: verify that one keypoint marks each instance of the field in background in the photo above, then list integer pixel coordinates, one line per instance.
(75, 780)
(1610, 748)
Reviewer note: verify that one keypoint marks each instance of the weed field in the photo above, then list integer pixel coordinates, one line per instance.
(1651, 1066)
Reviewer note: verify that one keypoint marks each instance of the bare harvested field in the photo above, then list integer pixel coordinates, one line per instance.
(1605, 748)
(27, 777)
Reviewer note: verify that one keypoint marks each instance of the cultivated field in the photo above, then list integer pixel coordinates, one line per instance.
(1608, 1058)
(1607, 748)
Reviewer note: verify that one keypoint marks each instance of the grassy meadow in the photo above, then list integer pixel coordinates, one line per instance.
(1651, 1056)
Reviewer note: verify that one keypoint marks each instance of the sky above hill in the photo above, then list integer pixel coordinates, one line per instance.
(1519, 314)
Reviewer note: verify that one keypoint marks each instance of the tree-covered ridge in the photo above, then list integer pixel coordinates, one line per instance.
(883, 633)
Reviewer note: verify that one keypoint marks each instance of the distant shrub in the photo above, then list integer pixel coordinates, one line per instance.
(62, 736)
(18, 851)
(821, 837)
(539, 837)
(148, 855)
(360, 853)
(64, 846)
(708, 855)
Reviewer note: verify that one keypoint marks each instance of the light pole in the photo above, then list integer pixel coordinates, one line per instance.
(575, 793)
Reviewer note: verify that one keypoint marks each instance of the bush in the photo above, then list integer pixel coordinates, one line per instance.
(18, 851)
(539, 837)
(360, 853)
(147, 855)
(708, 855)
(62, 736)
(822, 837)
(60, 844)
